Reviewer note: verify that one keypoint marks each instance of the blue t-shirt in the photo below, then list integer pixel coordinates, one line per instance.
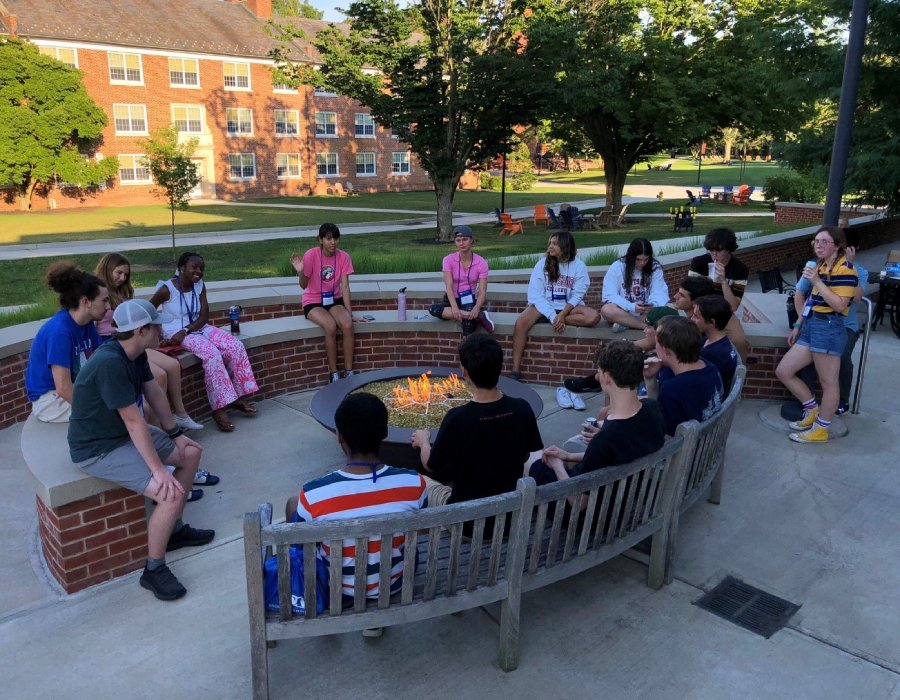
(61, 342)
(723, 355)
(695, 395)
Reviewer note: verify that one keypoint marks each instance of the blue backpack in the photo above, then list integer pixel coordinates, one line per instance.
(298, 604)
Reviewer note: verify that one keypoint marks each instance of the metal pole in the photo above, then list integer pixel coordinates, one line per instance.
(503, 183)
(699, 165)
(863, 354)
(844, 127)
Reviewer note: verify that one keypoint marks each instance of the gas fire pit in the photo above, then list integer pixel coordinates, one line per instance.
(396, 450)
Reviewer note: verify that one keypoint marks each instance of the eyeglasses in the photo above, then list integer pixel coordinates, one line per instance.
(821, 241)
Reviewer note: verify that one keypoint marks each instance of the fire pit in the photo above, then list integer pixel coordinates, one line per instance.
(396, 450)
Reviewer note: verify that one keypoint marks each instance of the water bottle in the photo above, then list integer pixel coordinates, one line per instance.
(234, 314)
(401, 304)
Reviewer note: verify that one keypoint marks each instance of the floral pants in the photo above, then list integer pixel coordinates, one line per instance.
(226, 369)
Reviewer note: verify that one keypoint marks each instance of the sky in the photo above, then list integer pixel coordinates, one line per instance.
(328, 7)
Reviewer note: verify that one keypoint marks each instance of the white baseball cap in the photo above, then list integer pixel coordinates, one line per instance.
(135, 313)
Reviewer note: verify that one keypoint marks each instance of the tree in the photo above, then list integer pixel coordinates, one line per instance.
(296, 8)
(48, 123)
(873, 170)
(729, 136)
(173, 170)
(450, 79)
(641, 76)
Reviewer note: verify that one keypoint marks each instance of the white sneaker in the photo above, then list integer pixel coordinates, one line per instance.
(564, 398)
(577, 402)
(619, 328)
(186, 422)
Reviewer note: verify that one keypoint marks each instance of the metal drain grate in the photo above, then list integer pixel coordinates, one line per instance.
(748, 606)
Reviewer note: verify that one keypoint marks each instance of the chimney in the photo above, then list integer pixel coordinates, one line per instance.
(11, 22)
(260, 8)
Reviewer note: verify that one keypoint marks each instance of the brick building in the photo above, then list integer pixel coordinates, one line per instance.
(204, 66)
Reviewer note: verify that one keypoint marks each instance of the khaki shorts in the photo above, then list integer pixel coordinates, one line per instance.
(51, 408)
(125, 466)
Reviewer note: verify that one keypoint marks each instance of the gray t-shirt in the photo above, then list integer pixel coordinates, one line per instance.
(107, 382)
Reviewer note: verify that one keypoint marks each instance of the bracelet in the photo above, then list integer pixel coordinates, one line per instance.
(797, 324)
(177, 431)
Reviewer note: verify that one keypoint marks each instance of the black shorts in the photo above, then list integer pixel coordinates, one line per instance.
(309, 307)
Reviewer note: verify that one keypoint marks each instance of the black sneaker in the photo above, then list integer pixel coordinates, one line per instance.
(163, 583)
(580, 384)
(188, 536)
(842, 408)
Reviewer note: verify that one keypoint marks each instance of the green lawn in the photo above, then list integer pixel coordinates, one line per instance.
(708, 207)
(398, 251)
(683, 173)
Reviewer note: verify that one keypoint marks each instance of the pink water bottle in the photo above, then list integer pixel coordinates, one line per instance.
(401, 304)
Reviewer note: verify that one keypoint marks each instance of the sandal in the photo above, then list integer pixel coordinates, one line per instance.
(244, 407)
(222, 422)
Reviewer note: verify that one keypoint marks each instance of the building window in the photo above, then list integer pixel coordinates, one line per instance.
(400, 163)
(365, 164)
(239, 121)
(365, 126)
(61, 54)
(327, 164)
(287, 165)
(187, 119)
(133, 170)
(287, 122)
(326, 124)
(184, 72)
(237, 76)
(282, 87)
(130, 119)
(319, 92)
(241, 166)
(125, 68)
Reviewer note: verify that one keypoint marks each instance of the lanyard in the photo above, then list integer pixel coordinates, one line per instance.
(459, 271)
(371, 465)
(192, 306)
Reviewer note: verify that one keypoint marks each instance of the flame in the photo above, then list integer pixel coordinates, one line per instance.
(424, 392)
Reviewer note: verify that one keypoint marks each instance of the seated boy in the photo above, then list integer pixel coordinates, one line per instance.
(632, 428)
(481, 447)
(712, 314)
(686, 386)
(364, 486)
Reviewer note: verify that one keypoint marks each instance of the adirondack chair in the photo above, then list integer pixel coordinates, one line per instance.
(705, 192)
(570, 218)
(692, 200)
(511, 227)
(351, 190)
(554, 219)
(499, 221)
(742, 196)
(540, 215)
(604, 219)
(620, 219)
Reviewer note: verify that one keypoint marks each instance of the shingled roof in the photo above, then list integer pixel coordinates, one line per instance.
(201, 26)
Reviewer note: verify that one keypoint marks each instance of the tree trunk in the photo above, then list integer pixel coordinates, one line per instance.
(728, 145)
(444, 191)
(615, 171)
(174, 257)
(26, 196)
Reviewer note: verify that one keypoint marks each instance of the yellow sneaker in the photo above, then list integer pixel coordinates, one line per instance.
(807, 421)
(815, 434)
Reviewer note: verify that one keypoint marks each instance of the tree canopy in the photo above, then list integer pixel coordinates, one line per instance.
(48, 124)
(448, 77)
(296, 8)
(641, 76)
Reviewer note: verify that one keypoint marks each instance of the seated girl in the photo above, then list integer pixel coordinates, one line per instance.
(465, 282)
(633, 285)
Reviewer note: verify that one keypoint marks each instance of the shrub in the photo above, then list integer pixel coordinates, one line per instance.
(491, 182)
(523, 180)
(793, 187)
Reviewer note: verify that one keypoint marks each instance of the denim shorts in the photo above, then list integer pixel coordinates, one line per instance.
(824, 333)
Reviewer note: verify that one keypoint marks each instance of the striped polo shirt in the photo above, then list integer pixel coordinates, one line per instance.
(840, 279)
(341, 495)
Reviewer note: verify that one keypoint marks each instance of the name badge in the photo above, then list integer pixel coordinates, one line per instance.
(327, 298)
(807, 307)
(465, 297)
(560, 294)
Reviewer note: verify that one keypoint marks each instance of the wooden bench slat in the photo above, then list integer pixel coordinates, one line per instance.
(335, 577)
(477, 542)
(385, 570)
(283, 554)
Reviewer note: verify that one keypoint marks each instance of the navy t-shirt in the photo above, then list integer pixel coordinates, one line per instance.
(694, 395)
(723, 355)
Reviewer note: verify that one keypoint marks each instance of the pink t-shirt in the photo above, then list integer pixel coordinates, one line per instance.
(465, 278)
(105, 326)
(324, 274)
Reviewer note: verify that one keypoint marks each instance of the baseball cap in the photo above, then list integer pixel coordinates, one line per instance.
(465, 231)
(657, 312)
(135, 313)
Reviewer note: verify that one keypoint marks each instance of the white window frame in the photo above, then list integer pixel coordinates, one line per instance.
(321, 92)
(325, 123)
(187, 108)
(364, 126)
(290, 125)
(53, 52)
(126, 80)
(133, 112)
(323, 159)
(397, 164)
(184, 73)
(236, 65)
(241, 111)
(243, 157)
(371, 160)
(138, 163)
(285, 161)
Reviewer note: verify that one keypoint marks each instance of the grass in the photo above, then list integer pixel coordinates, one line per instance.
(708, 207)
(388, 252)
(683, 173)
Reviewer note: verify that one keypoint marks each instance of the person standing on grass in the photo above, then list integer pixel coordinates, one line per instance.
(65, 342)
(226, 369)
(556, 293)
(465, 282)
(324, 274)
(819, 336)
(632, 286)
